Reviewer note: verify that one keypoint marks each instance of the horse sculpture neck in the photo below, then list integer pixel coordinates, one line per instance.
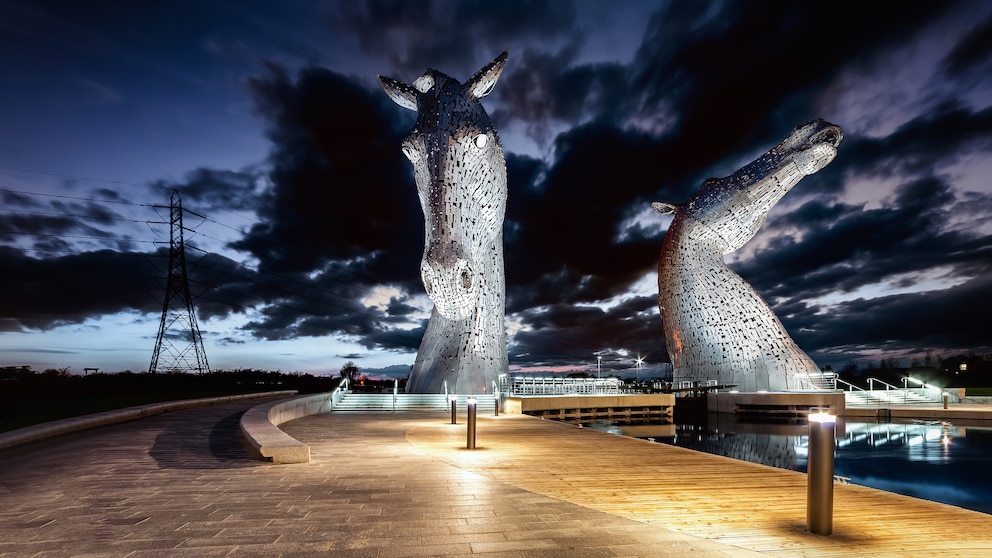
(460, 172)
(717, 327)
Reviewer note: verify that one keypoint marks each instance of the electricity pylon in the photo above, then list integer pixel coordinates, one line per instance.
(179, 344)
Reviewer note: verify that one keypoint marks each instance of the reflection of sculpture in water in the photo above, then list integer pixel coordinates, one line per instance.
(717, 327)
(774, 450)
(461, 178)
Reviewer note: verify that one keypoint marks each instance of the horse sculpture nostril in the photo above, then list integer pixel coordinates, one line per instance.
(466, 279)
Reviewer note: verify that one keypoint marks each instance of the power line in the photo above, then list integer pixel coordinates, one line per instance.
(93, 217)
(74, 177)
(79, 198)
(80, 237)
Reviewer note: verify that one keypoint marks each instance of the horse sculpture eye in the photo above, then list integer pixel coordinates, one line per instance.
(481, 140)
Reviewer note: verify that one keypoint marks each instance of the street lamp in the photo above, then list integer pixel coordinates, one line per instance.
(638, 362)
(599, 366)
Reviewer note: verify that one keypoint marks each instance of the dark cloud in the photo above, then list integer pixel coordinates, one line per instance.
(454, 37)
(566, 224)
(737, 73)
(952, 320)
(971, 57)
(216, 189)
(941, 136)
(69, 289)
(341, 188)
(566, 334)
(544, 90)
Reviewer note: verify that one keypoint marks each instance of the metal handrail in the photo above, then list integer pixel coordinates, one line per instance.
(339, 392)
(903, 392)
(869, 398)
(828, 381)
(807, 384)
(850, 385)
(887, 385)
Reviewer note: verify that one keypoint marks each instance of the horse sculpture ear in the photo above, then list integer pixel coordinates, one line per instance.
(483, 82)
(665, 208)
(402, 94)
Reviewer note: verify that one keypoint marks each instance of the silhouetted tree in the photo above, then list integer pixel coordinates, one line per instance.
(350, 371)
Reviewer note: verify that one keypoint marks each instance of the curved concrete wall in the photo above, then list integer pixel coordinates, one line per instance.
(65, 426)
(260, 426)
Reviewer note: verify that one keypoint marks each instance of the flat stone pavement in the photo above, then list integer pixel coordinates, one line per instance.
(183, 484)
(403, 484)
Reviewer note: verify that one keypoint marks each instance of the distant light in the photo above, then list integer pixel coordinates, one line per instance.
(822, 417)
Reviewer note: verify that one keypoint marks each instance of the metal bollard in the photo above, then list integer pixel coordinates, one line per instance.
(470, 441)
(454, 408)
(945, 399)
(820, 474)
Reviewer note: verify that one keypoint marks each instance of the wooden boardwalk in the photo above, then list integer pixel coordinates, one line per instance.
(750, 506)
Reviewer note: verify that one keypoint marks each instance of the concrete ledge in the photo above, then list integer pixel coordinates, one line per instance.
(260, 426)
(736, 402)
(65, 426)
(530, 404)
(921, 412)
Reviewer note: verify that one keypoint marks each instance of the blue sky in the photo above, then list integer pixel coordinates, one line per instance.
(269, 120)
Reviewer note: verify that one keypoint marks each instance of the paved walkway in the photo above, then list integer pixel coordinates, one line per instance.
(183, 484)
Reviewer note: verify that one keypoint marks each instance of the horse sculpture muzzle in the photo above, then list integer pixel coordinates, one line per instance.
(448, 279)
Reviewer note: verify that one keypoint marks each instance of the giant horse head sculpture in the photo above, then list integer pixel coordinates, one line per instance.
(460, 173)
(717, 327)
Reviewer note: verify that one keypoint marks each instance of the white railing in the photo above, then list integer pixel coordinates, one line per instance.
(850, 386)
(824, 381)
(880, 393)
(339, 392)
(897, 394)
(525, 385)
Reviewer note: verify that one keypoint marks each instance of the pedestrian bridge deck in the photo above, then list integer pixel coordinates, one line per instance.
(751, 506)
(402, 484)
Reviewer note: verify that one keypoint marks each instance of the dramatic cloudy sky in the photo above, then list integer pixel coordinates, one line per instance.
(304, 230)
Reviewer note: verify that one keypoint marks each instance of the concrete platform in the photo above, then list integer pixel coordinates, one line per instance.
(980, 414)
(575, 406)
(392, 484)
(792, 403)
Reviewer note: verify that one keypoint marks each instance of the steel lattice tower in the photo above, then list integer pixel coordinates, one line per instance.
(179, 345)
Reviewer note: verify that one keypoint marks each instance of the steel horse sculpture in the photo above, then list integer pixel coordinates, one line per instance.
(717, 327)
(460, 172)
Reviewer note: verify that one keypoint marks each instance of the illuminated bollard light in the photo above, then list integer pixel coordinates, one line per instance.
(497, 403)
(945, 399)
(470, 442)
(820, 474)
(454, 407)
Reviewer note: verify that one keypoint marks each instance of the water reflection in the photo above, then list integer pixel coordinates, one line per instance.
(934, 460)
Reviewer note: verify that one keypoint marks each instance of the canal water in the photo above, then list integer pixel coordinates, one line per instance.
(933, 460)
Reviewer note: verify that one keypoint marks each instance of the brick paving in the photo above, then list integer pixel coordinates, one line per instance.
(184, 484)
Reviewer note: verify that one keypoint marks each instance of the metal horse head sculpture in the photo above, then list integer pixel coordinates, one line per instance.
(460, 172)
(717, 327)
